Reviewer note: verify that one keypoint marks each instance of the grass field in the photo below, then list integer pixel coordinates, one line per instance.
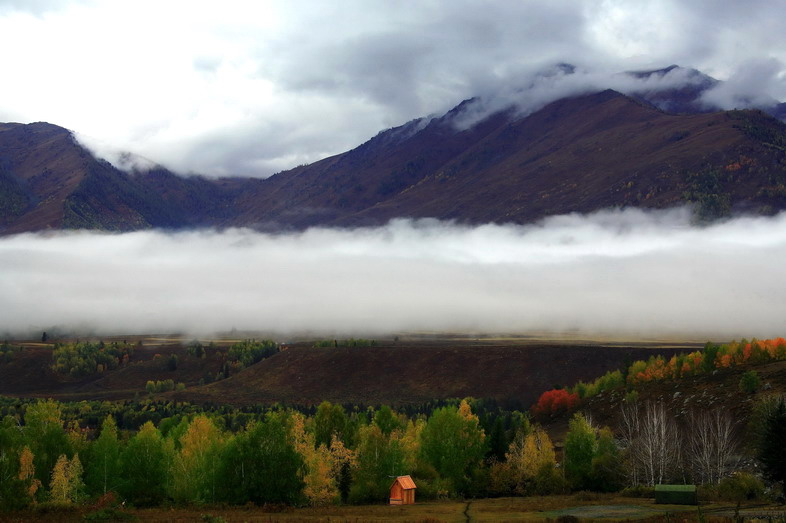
(585, 507)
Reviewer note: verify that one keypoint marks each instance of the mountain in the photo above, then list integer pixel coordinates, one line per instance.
(49, 181)
(576, 154)
(659, 145)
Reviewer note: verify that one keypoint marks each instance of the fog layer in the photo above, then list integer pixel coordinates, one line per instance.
(625, 272)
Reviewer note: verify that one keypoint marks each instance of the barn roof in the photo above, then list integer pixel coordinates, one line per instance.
(405, 482)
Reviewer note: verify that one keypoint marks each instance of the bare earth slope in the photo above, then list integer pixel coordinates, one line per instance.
(514, 372)
(405, 373)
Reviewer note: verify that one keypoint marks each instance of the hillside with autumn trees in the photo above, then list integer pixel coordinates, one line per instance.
(712, 358)
(715, 417)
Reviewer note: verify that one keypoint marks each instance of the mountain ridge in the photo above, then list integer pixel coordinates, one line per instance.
(578, 153)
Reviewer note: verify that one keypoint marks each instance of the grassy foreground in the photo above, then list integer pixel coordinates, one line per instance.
(584, 506)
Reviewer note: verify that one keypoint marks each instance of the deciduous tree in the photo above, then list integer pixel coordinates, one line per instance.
(261, 464)
(453, 443)
(196, 463)
(145, 466)
(580, 447)
(102, 472)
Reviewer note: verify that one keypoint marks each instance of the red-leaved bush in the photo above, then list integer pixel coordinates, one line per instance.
(555, 401)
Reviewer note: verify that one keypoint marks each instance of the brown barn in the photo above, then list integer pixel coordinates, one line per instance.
(402, 491)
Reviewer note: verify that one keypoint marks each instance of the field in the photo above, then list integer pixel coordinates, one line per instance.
(406, 370)
(603, 507)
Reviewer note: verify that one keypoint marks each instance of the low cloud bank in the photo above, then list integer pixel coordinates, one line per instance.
(623, 272)
(538, 87)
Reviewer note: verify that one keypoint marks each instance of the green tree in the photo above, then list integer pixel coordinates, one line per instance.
(453, 443)
(378, 458)
(386, 420)
(772, 446)
(330, 420)
(195, 466)
(261, 465)
(580, 448)
(497, 440)
(749, 382)
(144, 466)
(607, 474)
(102, 473)
(46, 436)
(13, 490)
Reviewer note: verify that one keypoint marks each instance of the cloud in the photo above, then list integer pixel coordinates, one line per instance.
(256, 87)
(539, 87)
(751, 85)
(624, 272)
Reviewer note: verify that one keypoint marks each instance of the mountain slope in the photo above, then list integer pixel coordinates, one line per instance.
(577, 154)
(40, 166)
(49, 181)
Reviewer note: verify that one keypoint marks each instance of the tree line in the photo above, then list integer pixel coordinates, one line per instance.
(282, 456)
(334, 456)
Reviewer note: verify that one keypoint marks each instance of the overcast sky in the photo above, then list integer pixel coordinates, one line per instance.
(253, 87)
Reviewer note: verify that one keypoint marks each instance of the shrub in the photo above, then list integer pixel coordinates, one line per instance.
(741, 486)
(749, 383)
(108, 514)
(196, 349)
(638, 491)
(549, 480)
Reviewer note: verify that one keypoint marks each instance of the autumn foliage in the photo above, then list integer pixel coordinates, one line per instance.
(713, 357)
(658, 368)
(554, 402)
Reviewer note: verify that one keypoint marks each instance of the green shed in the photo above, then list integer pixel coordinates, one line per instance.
(676, 494)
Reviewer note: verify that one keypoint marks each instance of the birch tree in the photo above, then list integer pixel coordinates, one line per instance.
(712, 446)
(652, 443)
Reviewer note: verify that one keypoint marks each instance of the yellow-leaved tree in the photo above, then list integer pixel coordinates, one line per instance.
(321, 486)
(527, 456)
(27, 473)
(66, 485)
(195, 467)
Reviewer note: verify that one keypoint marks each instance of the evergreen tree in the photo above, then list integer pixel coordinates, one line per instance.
(498, 441)
(772, 447)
